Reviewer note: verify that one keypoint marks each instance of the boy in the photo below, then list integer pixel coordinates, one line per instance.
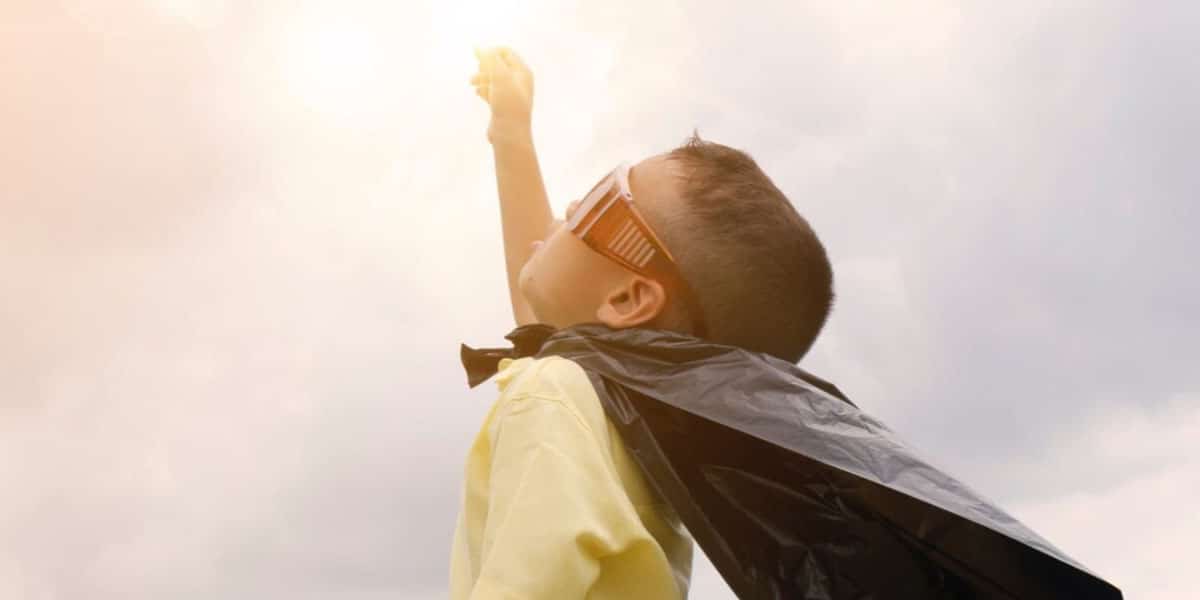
(553, 506)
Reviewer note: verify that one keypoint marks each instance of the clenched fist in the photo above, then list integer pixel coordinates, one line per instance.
(506, 84)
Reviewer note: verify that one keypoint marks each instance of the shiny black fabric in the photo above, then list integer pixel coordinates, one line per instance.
(481, 363)
(792, 491)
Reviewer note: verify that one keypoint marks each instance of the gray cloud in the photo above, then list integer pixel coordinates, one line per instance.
(231, 317)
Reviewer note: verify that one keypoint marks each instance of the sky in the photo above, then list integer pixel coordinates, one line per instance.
(240, 245)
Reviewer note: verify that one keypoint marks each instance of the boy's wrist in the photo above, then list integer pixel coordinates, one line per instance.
(510, 134)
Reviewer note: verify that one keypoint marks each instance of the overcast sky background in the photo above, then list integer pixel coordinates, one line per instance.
(239, 248)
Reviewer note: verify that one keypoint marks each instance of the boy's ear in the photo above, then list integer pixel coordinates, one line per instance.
(637, 301)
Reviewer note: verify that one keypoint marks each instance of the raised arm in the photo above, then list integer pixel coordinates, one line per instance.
(506, 84)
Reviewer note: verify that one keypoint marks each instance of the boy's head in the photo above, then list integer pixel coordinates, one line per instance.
(759, 273)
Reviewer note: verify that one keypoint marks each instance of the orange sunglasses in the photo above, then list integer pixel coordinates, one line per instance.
(609, 223)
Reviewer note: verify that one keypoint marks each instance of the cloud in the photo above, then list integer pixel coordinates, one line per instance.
(231, 316)
(1131, 521)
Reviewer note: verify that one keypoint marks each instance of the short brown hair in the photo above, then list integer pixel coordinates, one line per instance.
(761, 275)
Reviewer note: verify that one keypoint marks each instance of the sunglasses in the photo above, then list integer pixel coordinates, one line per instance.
(609, 223)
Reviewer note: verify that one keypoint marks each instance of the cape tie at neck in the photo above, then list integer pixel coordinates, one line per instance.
(481, 363)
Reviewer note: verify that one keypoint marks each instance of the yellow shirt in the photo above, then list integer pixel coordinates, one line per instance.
(554, 507)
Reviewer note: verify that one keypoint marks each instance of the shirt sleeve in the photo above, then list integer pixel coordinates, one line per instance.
(556, 506)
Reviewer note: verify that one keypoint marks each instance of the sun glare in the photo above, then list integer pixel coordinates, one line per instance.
(337, 66)
(459, 26)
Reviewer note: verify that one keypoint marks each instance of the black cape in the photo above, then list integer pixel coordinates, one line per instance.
(790, 490)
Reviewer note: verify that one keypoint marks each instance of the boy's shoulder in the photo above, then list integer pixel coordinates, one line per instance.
(552, 378)
(561, 380)
(549, 377)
